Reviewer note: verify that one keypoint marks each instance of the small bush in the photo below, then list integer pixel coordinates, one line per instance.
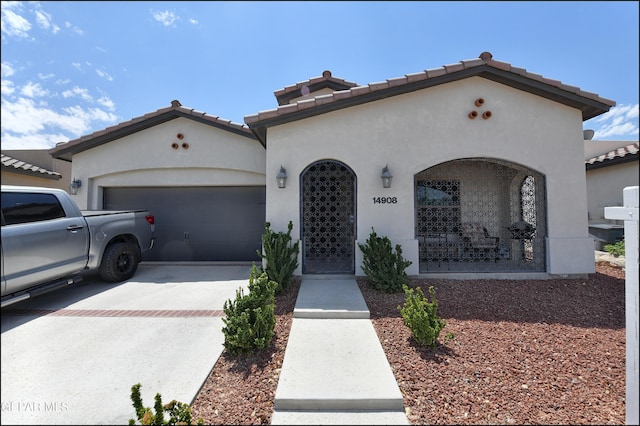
(616, 249)
(280, 255)
(421, 316)
(385, 269)
(179, 413)
(250, 319)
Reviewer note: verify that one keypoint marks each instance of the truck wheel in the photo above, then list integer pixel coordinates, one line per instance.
(119, 262)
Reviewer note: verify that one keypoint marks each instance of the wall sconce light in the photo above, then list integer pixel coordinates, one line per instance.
(75, 184)
(281, 178)
(386, 177)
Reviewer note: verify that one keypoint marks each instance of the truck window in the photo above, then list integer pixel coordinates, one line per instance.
(30, 207)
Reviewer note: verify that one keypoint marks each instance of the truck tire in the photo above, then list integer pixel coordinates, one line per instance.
(119, 262)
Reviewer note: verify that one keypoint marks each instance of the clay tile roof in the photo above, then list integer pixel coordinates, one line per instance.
(326, 76)
(65, 151)
(304, 88)
(484, 66)
(623, 154)
(14, 165)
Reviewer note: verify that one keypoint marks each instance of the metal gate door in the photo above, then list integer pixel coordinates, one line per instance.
(328, 218)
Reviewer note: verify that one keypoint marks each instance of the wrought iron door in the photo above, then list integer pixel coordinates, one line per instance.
(328, 218)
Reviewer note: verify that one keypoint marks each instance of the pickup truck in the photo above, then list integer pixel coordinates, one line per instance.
(48, 242)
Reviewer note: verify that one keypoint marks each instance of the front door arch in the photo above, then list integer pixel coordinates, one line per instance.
(328, 212)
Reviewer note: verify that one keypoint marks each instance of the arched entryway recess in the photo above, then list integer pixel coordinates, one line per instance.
(480, 215)
(328, 218)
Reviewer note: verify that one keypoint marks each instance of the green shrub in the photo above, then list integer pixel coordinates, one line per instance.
(616, 249)
(179, 413)
(250, 319)
(421, 316)
(385, 269)
(280, 255)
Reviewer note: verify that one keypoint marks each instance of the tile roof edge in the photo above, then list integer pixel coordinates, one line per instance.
(630, 149)
(485, 58)
(23, 165)
(175, 107)
(326, 76)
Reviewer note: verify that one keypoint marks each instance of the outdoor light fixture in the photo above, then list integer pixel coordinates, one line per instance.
(386, 177)
(282, 178)
(75, 184)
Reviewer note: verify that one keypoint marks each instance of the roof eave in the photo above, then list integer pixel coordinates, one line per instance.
(33, 173)
(612, 161)
(66, 151)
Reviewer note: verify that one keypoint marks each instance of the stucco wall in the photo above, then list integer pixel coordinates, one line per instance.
(9, 178)
(214, 157)
(605, 186)
(415, 131)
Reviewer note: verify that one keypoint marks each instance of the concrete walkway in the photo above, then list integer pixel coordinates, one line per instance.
(334, 369)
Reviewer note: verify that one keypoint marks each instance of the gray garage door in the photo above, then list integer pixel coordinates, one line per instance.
(198, 223)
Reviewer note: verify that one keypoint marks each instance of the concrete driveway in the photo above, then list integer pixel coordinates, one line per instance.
(71, 356)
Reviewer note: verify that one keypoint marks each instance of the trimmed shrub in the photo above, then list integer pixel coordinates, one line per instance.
(385, 269)
(250, 319)
(280, 255)
(421, 316)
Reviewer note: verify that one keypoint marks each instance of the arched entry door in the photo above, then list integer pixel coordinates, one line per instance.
(328, 218)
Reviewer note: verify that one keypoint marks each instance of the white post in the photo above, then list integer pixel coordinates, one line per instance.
(629, 214)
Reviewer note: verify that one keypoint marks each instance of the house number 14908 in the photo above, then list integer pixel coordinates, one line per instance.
(385, 200)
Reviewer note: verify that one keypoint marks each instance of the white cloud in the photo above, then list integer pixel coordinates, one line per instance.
(73, 28)
(620, 122)
(166, 17)
(13, 24)
(193, 21)
(33, 90)
(28, 125)
(44, 21)
(7, 69)
(78, 92)
(6, 87)
(104, 75)
(33, 141)
(107, 103)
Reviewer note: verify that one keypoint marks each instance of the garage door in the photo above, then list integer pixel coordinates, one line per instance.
(198, 223)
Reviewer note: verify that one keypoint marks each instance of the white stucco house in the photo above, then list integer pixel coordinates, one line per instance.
(472, 168)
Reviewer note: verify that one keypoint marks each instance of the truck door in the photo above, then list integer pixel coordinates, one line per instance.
(39, 242)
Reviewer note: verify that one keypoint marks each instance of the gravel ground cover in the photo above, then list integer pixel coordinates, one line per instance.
(518, 352)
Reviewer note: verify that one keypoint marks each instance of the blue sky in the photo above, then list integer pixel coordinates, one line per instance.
(72, 68)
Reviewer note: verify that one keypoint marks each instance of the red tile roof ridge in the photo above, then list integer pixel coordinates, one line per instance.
(485, 58)
(176, 106)
(326, 75)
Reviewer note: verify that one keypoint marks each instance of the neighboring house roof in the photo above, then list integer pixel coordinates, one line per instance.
(65, 151)
(485, 66)
(14, 165)
(624, 154)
